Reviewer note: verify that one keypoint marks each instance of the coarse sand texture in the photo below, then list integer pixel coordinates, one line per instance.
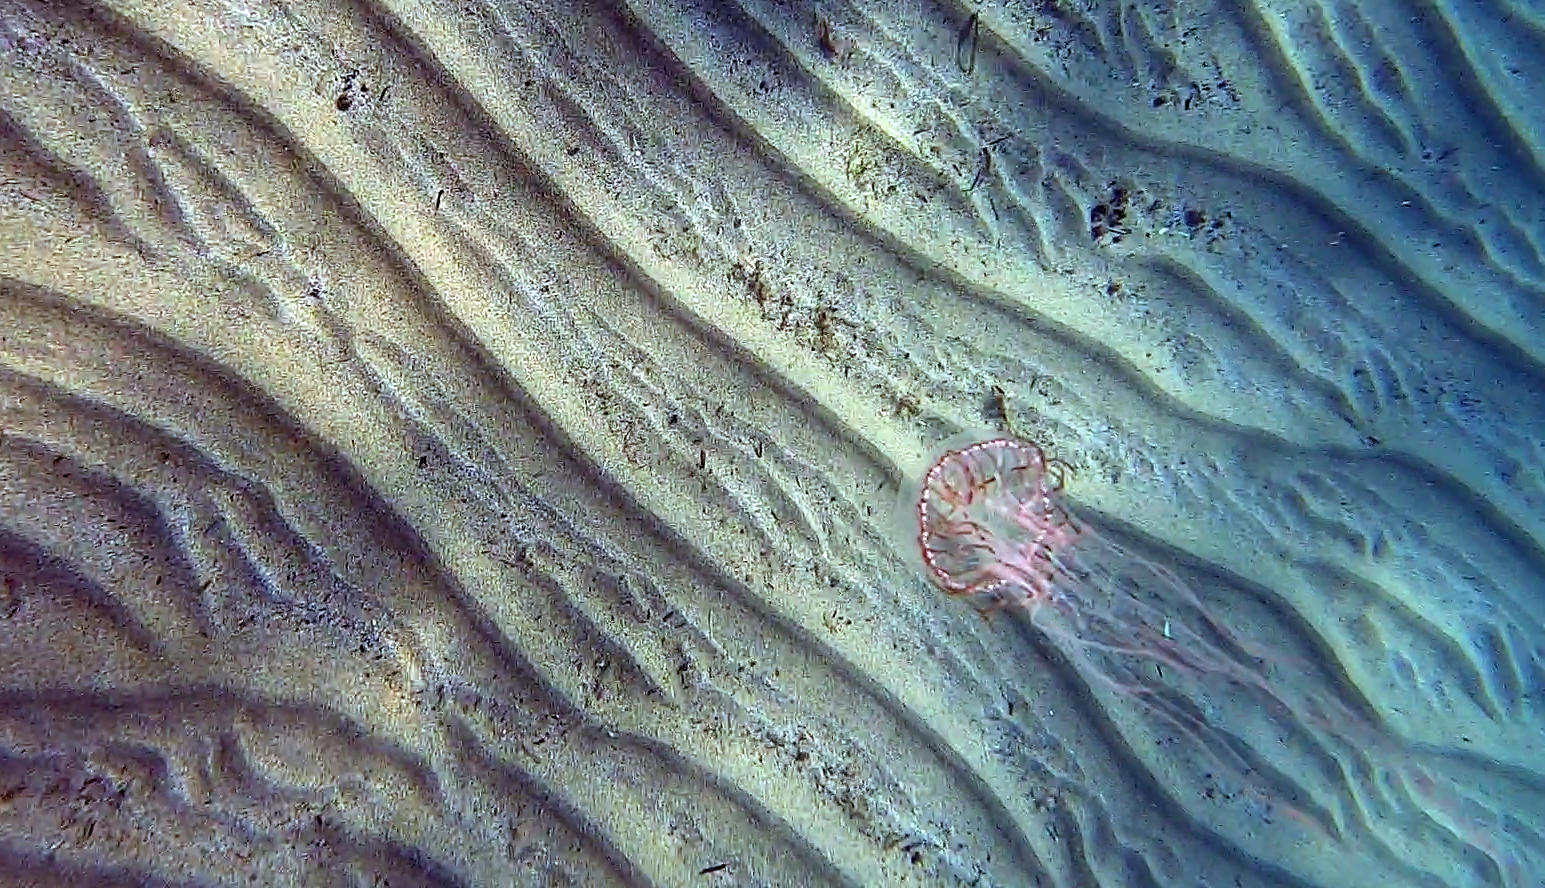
(786, 443)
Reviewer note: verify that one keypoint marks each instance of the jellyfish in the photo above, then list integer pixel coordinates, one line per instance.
(993, 527)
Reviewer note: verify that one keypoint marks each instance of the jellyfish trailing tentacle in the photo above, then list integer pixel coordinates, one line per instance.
(993, 528)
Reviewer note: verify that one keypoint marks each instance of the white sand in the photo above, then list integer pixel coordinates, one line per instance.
(460, 443)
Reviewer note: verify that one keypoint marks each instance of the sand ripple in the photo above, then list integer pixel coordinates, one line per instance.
(460, 442)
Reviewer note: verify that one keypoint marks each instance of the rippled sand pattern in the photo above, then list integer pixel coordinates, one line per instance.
(460, 443)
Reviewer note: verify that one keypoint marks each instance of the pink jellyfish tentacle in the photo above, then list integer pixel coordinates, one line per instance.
(992, 527)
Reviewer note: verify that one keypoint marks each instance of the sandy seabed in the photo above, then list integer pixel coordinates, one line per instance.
(470, 443)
